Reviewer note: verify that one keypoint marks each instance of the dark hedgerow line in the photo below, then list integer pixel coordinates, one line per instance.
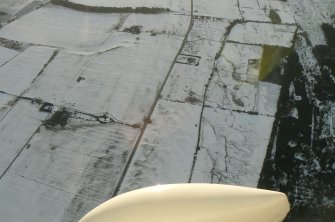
(102, 9)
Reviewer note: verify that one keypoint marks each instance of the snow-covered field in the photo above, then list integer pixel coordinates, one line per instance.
(17, 127)
(128, 78)
(232, 147)
(16, 76)
(61, 27)
(165, 153)
(81, 164)
(226, 9)
(206, 78)
(11, 7)
(96, 103)
(6, 55)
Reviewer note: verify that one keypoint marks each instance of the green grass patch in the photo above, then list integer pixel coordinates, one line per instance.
(272, 57)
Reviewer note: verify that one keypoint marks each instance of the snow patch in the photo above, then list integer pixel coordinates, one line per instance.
(165, 153)
(61, 27)
(123, 81)
(233, 146)
(23, 119)
(263, 33)
(159, 23)
(17, 75)
(6, 55)
(217, 8)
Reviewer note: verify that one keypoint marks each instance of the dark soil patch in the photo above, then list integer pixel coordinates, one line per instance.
(53, 147)
(326, 58)
(79, 79)
(329, 32)
(275, 76)
(191, 60)
(192, 98)
(275, 18)
(136, 29)
(100, 9)
(313, 215)
(11, 44)
(325, 90)
(301, 155)
(147, 120)
(238, 101)
(60, 117)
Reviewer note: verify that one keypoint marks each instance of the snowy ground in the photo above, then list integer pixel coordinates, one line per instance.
(9, 7)
(96, 103)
